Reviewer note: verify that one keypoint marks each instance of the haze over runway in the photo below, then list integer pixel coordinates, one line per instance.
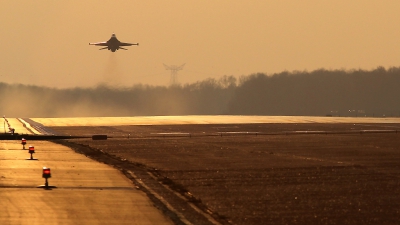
(46, 43)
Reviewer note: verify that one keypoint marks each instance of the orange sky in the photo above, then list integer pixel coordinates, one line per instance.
(46, 42)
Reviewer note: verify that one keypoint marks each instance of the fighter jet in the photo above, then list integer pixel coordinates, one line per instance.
(113, 44)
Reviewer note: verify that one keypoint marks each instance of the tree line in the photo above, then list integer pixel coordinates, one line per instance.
(372, 93)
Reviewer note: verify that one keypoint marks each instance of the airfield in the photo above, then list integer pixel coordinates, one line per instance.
(206, 170)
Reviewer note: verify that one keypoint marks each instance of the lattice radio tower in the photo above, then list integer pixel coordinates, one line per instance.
(174, 72)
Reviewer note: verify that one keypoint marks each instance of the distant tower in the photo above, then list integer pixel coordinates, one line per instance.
(174, 72)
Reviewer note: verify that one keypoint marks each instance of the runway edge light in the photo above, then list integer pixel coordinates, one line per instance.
(23, 143)
(46, 174)
(31, 151)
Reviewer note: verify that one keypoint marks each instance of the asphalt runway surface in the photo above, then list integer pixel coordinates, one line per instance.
(225, 167)
(84, 192)
(175, 120)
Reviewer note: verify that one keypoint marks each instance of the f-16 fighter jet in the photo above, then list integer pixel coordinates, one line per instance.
(113, 44)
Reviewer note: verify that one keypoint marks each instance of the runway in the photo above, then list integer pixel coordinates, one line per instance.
(88, 192)
(202, 119)
(85, 192)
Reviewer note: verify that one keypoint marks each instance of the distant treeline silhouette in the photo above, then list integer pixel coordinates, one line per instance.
(318, 93)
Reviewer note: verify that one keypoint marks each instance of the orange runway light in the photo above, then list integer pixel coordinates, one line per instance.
(31, 151)
(23, 143)
(46, 174)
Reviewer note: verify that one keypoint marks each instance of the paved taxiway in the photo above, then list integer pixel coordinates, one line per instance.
(87, 192)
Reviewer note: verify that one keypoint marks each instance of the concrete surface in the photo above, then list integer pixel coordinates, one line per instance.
(20, 126)
(87, 192)
(167, 120)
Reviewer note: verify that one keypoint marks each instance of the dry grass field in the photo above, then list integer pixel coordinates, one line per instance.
(263, 173)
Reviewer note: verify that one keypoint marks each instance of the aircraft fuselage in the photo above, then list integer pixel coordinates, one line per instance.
(113, 44)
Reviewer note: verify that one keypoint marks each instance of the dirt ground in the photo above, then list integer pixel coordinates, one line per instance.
(261, 173)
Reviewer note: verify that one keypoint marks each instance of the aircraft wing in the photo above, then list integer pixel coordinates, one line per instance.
(127, 44)
(99, 43)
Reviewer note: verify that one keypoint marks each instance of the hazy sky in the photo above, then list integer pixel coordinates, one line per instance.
(46, 42)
